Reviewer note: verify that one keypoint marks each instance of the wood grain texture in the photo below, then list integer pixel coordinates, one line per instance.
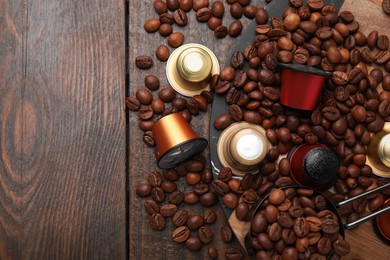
(148, 244)
(62, 167)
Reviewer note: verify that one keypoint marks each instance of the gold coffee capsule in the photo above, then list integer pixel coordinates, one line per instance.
(378, 152)
(190, 67)
(194, 64)
(242, 146)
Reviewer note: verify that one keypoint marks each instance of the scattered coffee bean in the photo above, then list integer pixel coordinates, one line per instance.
(144, 62)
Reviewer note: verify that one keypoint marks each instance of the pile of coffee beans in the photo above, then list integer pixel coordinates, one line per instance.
(296, 224)
(167, 194)
(354, 102)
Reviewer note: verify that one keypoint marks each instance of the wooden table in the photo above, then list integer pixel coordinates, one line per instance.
(71, 156)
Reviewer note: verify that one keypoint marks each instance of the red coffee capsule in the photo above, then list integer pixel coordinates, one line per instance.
(301, 85)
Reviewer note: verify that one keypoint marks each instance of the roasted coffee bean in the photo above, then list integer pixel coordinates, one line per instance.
(271, 213)
(259, 223)
(144, 96)
(201, 188)
(220, 32)
(220, 187)
(158, 106)
(208, 199)
(324, 246)
(152, 25)
(193, 178)
(277, 196)
(155, 178)
(265, 241)
(283, 182)
(176, 197)
(236, 10)
(151, 207)
(157, 221)
(194, 222)
(264, 188)
(206, 175)
(160, 6)
(203, 14)
(152, 82)
(366, 55)
(132, 103)
(230, 200)
(237, 60)
(301, 56)
(384, 108)
(193, 243)
(285, 220)
(242, 211)
(143, 62)
(175, 39)
(144, 189)
(222, 88)
(383, 42)
(162, 53)
(180, 17)
(168, 210)
(340, 78)
(180, 234)
(341, 247)
(330, 226)
(283, 134)
(186, 5)
(166, 18)
(148, 138)
(212, 252)
(288, 236)
(165, 30)
(168, 186)
(235, 112)
(222, 121)
(213, 23)
(191, 198)
(235, 29)
(226, 234)
(324, 33)
(205, 235)
(295, 211)
(301, 227)
(234, 253)
(209, 216)
(198, 4)
(249, 11)
(217, 9)
(330, 113)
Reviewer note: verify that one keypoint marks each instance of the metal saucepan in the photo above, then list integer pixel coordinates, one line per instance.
(330, 206)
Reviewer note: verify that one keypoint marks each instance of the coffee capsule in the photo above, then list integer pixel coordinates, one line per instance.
(176, 141)
(313, 166)
(242, 146)
(383, 223)
(301, 85)
(378, 152)
(190, 68)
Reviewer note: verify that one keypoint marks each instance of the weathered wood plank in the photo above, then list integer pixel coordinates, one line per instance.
(63, 129)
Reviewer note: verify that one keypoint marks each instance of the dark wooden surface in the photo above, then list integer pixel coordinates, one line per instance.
(67, 182)
(62, 129)
(148, 244)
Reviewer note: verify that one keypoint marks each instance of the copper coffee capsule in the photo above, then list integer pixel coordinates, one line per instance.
(378, 152)
(176, 141)
(190, 67)
(242, 146)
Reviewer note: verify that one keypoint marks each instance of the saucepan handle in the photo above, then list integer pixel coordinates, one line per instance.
(360, 196)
